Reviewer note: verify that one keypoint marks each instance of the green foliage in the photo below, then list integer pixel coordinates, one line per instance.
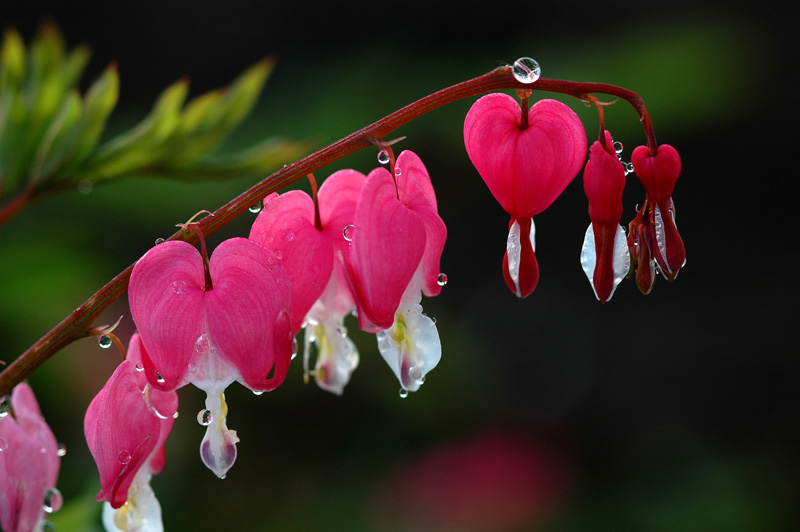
(50, 134)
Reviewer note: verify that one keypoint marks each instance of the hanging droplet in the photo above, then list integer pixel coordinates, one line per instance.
(62, 449)
(628, 168)
(3, 444)
(5, 406)
(175, 415)
(201, 344)
(52, 500)
(204, 417)
(348, 232)
(526, 70)
(159, 241)
(105, 341)
(159, 378)
(124, 457)
(295, 347)
(256, 208)
(383, 157)
(178, 286)
(403, 393)
(618, 147)
(442, 280)
(258, 392)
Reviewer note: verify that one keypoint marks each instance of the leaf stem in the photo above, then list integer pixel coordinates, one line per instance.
(76, 325)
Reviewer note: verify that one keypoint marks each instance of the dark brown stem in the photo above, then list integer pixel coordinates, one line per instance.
(76, 325)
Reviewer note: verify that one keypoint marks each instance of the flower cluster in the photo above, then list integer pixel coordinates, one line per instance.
(369, 245)
(30, 459)
(528, 157)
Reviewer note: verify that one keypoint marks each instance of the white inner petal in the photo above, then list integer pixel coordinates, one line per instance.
(514, 249)
(621, 261)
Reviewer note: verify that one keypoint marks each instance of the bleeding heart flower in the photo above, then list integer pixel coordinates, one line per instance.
(29, 463)
(236, 328)
(321, 296)
(126, 426)
(659, 173)
(605, 257)
(525, 169)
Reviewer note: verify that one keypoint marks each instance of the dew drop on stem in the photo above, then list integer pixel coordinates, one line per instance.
(526, 70)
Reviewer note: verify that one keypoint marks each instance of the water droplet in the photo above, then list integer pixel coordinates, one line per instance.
(255, 209)
(62, 450)
(178, 287)
(397, 171)
(201, 345)
(403, 393)
(175, 415)
(105, 341)
(159, 241)
(288, 235)
(526, 70)
(258, 392)
(442, 280)
(124, 457)
(415, 373)
(5, 406)
(383, 157)
(52, 500)
(139, 366)
(628, 168)
(204, 417)
(278, 253)
(295, 348)
(342, 330)
(3, 444)
(348, 232)
(618, 147)
(84, 186)
(159, 378)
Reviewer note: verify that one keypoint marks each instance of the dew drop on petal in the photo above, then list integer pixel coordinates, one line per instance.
(52, 500)
(178, 286)
(403, 393)
(159, 241)
(348, 232)
(124, 457)
(175, 415)
(256, 208)
(3, 444)
(383, 157)
(201, 345)
(139, 366)
(295, 348)
(105, 341)
(526, 70)
(204, 417)
(442, 279)
(397, 171)
(62, 450)
(159, 378)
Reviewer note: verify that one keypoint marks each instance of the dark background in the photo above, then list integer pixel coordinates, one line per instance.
(672, 411)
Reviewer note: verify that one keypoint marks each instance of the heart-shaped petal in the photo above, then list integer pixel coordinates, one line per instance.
(525, 169)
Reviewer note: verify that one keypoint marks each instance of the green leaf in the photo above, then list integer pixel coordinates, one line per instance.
(12, 62)
(60, 140)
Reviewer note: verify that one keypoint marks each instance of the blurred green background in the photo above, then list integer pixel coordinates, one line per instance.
(671, 412)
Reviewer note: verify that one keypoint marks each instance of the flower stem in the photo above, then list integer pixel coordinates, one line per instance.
(76, 325)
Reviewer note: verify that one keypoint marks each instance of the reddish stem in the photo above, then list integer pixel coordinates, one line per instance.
(76, 325)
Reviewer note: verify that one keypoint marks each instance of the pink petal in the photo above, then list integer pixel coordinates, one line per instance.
(248, 312)
(387, 247)
(658, 173)
(286, 226)
(526, 170)
(166, 299)
(121, 432)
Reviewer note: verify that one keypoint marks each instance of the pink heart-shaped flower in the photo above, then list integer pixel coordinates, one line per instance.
(525, 169)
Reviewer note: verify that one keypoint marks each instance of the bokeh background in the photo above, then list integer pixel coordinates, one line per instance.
(675, 411)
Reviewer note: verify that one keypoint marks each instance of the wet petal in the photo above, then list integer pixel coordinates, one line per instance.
(411, 346)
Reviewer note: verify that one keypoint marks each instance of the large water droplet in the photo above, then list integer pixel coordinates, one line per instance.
(442, 280)
(204, 417)
(383, 157)
(256, 208)
(526, 70)
(347, 233)
(105, 341)
(52, 500)
(124, 457)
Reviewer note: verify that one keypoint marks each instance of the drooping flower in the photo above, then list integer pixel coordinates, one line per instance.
(213, 323)
(397, 243)
(29, 463)
(321, 297)
(658, 173)
(525, 169)
(605, 257)
(126, 426)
